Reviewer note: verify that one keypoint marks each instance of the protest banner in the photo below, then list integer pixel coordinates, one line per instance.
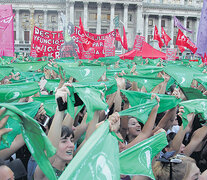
(49, 42)
(109, 47)
(98, 45)
(6, 30)
(171, 54)
(138, 42)
(88, 54)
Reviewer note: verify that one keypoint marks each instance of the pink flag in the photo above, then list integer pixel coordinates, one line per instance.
(7, 30)
(4, 22)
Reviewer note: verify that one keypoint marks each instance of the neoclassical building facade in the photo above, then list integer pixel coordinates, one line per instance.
(138, 17)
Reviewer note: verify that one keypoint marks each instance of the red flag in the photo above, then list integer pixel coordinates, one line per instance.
(157, 37)
(204, 59)
(118, 37)
(182, 49)
(87, 42)
(81, 26)
(124, 43)
(184, 41)
(165, 37)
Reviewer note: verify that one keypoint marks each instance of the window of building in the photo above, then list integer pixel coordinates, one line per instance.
(188, 24)
(14, 35)
(130, 17)
(92, 30)
(53, 19)
(103, 31)
(26, 36)
(150, 22)
(163, 23)
(93, 16)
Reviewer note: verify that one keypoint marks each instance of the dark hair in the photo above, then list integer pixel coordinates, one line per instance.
(66, 132)
(2, 162)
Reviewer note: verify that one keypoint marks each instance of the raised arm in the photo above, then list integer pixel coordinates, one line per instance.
(147, 129)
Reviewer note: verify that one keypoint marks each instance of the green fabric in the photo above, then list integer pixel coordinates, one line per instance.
(191, 93)
(153, 61)
(49, 103)
(202, 79)
(197, 106)
(150, 71)
(166, 101)
(11, 92)
(30, 58)
(66, 65)
(112, 72)
(137, 160)
(7, 59)
(92, 99)
(36, 140)
(141, 112)
(28, 108)
(182, 74)
(28, 66)
(52, 84)
(31, 75)
(111, 85)
(98, 159)
(5, 71)
(139, 60)
(170, 83)
(109, 60)
(90, 64)
(85, 73)
(148, 82)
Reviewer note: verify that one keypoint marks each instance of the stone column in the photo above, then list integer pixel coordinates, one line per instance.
(182, 2)
(85, 21)
(98, 28)
(112, 16)
(72, 3)
(172, 30)
(185, 24)
(32, 22)
(45, 19)
(126, 5)
(159, 23)
(67, 13)
(146, 27)
(17, 26)
(60, 25)
(197, 26)
(140, 20)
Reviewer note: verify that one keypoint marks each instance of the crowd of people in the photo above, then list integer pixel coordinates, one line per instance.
(183, 158)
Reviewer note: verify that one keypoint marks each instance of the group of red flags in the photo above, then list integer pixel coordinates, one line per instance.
(182, 40)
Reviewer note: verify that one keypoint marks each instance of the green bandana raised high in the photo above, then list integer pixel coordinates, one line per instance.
(12, 92)
(35, 139)
(85, 73)
(28, 66)
(166, 101)
(197, 106)
(98, 159)
(141, 112)
(137, 159)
